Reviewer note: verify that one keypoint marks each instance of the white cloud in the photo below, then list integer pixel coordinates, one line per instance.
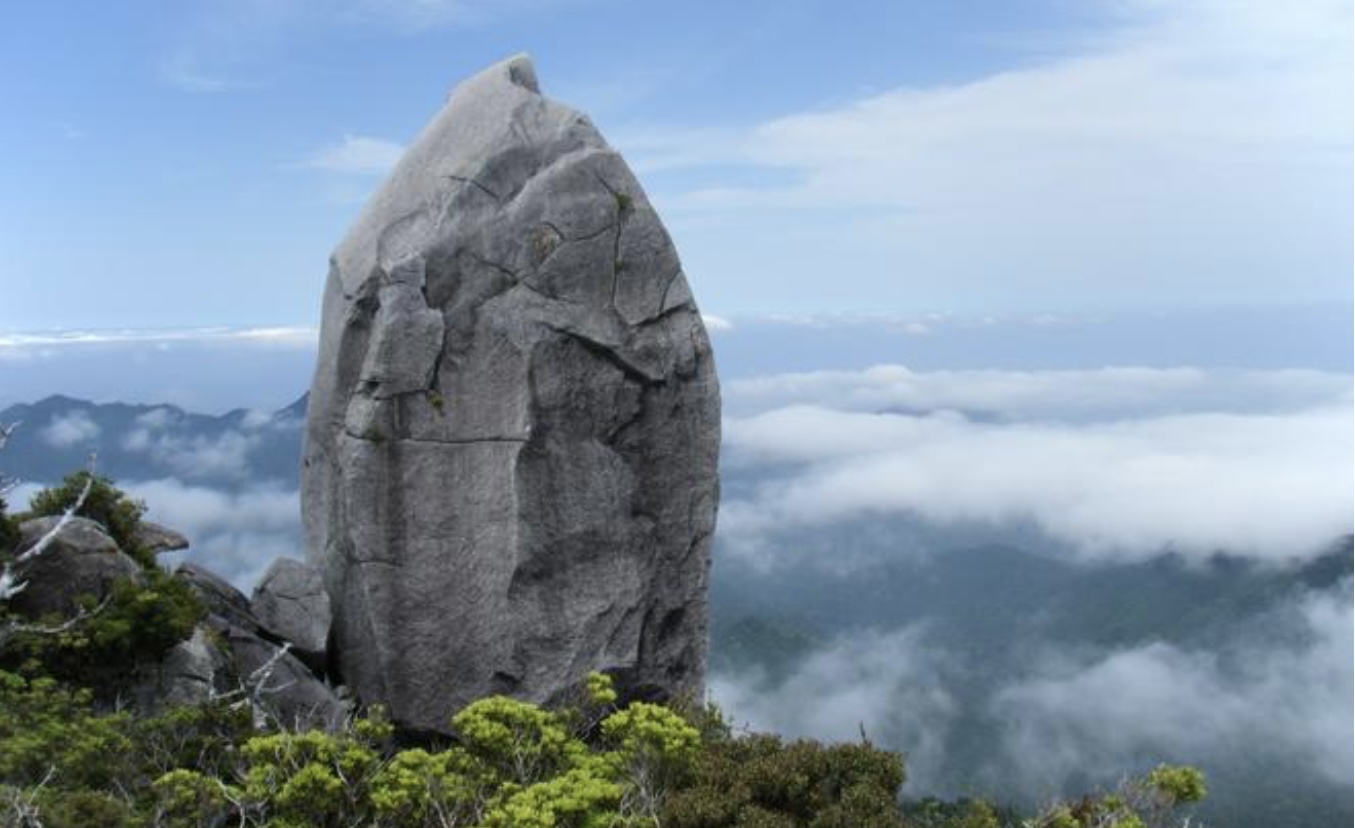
(716, 324)
(255, 419)
(156, 418)
(179, 70)
(197, 510)
(225, 455)
(1287, 704)
(889, 685)
(357, 154)
(1115, 393)
(1201, 150)
(235, 535)
(74, 428)
(1271, 483)
(44, 341)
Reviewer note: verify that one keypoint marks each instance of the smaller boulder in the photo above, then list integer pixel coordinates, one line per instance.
(81, 560)
(291, 603)
(154, 538)
(226, 606)
(194, 671)
(285, 688)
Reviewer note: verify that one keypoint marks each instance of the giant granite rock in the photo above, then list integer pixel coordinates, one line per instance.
(509, 476)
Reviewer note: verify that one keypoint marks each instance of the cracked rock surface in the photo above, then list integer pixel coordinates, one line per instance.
(291, 603)
(509, 476)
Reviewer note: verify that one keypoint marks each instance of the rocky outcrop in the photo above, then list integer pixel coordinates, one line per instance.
(509, 476)
(248, 660)
(291, 603)
(194, 671)
(81, 560)
(226, 606)
(284, 689)
(153, 538)
(230, 653)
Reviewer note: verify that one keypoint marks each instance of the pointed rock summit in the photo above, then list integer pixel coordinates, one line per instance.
(509, 476)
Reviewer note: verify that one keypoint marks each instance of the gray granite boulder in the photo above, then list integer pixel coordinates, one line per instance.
(226, 606)
(288, 692)
(291, 603)
(154, 538)
(194, 671)
(509, 476)
(82, 560)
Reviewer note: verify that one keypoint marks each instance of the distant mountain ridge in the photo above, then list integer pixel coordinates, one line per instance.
(146, 442)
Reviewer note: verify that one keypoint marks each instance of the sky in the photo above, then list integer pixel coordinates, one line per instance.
(187, 164)
(1071, 270)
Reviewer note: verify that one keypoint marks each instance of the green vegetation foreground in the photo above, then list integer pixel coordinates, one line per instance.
(70, 756)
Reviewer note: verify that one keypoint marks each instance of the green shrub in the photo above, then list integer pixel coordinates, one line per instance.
(203, 737)
(48, 732)
(139, 623)
(83, 809)
(758, 780)
(136, 626)
(105, 504)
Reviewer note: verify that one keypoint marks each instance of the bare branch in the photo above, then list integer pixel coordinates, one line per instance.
(9, 586)
(7, 429)
(46, 540)
(256, 685)
(12, 628)
(7, 483)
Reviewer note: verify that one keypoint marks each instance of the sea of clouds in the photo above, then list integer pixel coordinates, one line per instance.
(1109, 464)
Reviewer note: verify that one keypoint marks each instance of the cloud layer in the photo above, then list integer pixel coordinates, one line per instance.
(234, 535)
(1189, 152)
(1256, 464)
(890, 686)
(1073, 718)
(70, 430)
(1287, 702)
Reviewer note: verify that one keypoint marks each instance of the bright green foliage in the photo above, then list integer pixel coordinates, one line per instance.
(375, 728)
(418, 788)
(1178, 784)
(656, 748)
(600, 690)
(652, 730)
(106, 505)
(312, 775)
(580, 798)
(515, 766)
(519, 742)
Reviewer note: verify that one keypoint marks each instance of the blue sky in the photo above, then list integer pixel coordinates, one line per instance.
(193, 163)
